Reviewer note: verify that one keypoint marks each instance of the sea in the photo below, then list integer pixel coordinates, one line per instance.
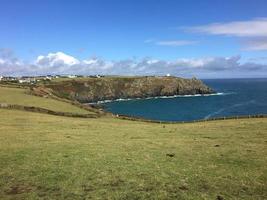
(233, 97)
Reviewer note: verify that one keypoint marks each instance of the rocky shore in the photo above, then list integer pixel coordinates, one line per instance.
(111, 88)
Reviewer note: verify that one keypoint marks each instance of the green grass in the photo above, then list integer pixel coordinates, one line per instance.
(19, 96)
(51, 157)
(56, 80)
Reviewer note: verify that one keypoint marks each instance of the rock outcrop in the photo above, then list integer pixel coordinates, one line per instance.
(111, 88)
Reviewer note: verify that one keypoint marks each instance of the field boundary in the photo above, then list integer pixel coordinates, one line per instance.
(125, 117)
(46, 111)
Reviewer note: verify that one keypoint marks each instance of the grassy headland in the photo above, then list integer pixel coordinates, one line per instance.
(110, 88)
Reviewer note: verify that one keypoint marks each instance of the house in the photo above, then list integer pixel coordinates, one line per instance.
(72, 76)
(168, 75)
(1, 77)
(24, 81)
(27, 80)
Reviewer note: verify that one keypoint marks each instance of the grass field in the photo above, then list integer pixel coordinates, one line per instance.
(51, 157)
(19, 96)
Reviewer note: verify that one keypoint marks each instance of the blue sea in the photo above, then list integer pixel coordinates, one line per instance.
(234, 97)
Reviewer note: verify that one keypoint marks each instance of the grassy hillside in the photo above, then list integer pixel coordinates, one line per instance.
(19, 96)
(51, 157)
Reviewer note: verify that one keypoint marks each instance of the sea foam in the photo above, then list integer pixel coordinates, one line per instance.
(161, 97)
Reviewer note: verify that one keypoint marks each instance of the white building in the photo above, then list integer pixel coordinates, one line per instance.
(23, 81)
(72, 76)
(27, 80)
(168, 75)
(1, 77)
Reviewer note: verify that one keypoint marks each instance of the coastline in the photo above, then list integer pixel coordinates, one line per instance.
(157, 97)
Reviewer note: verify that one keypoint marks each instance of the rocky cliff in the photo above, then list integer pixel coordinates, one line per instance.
(110, 88)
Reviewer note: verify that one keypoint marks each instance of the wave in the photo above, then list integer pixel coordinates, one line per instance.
(164, 97)
(230, 107)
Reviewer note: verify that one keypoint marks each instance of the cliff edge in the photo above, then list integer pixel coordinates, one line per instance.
(88, 90)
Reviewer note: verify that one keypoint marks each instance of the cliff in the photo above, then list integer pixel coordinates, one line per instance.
(110, 88)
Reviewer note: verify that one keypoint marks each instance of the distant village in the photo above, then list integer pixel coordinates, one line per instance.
(35, 79)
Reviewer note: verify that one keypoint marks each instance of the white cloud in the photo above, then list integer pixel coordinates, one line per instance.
(258, 59)
(152, 61)
(175, 43)
(60, 63)
(90, 61)
(171, 43)
(255, 44)
(56, 59)
(252, 28)
(196, 62)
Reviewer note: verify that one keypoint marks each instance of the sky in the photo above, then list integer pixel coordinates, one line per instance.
(206, 39)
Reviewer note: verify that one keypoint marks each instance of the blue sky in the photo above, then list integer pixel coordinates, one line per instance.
(133, 30)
